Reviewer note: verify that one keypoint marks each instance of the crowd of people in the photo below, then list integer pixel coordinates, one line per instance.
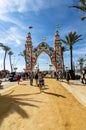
(65, 75)
(39, 79)
(38, 76)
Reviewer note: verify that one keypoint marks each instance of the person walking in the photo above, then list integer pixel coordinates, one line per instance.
(40, 80)
(31, 78)
(18, 78)
(36, 78)
(68, 77)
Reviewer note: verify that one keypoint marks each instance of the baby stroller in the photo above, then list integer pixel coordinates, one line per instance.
(43, 82)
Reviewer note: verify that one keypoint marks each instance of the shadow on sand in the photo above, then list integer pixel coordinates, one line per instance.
(13, 103)
(54, 94)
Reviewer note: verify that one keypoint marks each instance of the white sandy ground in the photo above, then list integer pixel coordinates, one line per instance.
(77, 89)
(25, 108)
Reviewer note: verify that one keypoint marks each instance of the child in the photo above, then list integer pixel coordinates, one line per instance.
(40, 78)
(18, 78)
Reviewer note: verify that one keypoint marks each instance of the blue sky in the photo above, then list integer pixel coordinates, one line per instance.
(17, 15)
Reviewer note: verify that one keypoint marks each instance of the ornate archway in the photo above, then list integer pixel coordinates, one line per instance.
(43, 47)
(55, 53)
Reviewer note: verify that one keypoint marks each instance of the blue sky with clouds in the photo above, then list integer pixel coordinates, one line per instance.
(17, 15)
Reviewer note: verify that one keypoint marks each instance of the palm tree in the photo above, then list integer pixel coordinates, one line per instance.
(71, 39)
(1, 44)
(81, 62)
(10, 53)
(23, 53)
(6, 49)
(81, 7)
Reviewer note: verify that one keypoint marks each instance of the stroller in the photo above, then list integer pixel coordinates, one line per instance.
(43, 82)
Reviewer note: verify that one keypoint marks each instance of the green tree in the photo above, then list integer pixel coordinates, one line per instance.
(81, 62)
(23, 54)
(70, 40)
(6, 49)
(10, 53)
(81, 7)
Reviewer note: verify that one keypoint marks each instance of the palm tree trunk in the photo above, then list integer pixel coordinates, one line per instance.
(25, 61)
(10, 63)
(4, 60)
(81, 67)
(71, 56)
(63, 61)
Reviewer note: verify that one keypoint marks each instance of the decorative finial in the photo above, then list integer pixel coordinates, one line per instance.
(57, 27)
(29, 33)
(44, 38)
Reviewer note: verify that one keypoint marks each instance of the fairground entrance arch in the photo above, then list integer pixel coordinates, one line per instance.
(55, 53)
(43, 47)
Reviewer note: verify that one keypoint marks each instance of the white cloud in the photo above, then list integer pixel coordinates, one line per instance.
(79, 52)
(12, 6)
(12, 35)
(30, 5)
(8, 7)
(20, 6)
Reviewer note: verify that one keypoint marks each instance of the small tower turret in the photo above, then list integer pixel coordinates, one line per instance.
(28, 48)
(58, 53)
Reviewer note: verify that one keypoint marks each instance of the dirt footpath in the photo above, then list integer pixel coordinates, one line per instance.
(25, 108)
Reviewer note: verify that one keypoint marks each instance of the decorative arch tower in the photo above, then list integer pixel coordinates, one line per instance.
(55, 53)
(58, 52)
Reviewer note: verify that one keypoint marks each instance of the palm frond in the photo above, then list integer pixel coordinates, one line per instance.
(63, 41)
(83, 17)
(83, 2)
(82, 8)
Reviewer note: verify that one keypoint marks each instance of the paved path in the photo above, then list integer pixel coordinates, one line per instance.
(77, 89)
(6, 86)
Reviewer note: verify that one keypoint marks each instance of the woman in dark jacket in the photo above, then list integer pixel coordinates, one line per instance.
(68, 77)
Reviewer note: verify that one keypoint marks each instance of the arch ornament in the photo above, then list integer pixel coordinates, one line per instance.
(43, 47)
(32, 54)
